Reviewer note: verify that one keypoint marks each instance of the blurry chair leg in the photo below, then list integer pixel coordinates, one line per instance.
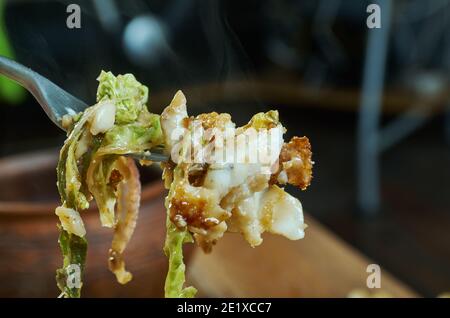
(368, 196)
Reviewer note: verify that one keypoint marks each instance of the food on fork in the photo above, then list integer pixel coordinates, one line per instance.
(220, 178)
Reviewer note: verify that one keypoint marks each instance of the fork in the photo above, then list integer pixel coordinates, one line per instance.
(55, 101)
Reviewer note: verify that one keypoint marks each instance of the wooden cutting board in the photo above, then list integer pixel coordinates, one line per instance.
(320, 265)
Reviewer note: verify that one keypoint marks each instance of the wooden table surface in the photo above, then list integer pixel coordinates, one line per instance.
(320, 265)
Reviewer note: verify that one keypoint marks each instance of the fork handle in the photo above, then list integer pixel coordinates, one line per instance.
(18, 72)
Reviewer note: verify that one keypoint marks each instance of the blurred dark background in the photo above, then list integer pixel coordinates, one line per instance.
(382, 172)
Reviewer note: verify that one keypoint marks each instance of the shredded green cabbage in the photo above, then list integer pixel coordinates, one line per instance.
(74, 250)
(173, 248)
(69, 183)
(135, 130)
(133, 137)
(129, 95)
(86, 173)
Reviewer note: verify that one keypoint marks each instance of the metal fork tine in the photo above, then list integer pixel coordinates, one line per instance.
(149, 155)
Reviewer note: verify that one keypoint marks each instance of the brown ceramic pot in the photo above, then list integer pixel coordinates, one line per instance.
(29, 252)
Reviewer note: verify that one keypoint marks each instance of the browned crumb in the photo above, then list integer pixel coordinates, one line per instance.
(186, 209)
(197, 174)
(295, 161)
